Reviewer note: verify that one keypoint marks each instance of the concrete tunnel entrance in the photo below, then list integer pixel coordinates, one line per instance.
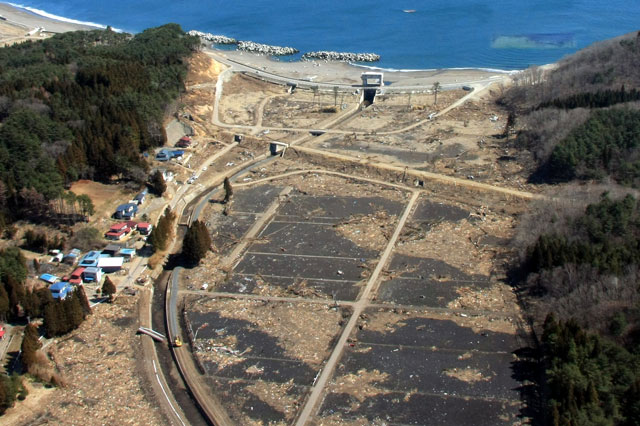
(368, 96)
(372, 83)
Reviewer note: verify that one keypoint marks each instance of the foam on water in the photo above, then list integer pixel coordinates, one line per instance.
(58, 18)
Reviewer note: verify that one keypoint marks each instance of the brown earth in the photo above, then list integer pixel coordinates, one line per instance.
(100, 366)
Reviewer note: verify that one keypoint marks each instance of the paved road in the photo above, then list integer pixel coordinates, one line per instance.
(160, 387)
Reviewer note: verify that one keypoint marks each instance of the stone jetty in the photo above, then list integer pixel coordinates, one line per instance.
(342, 56)
(216, 39)
(265, 49)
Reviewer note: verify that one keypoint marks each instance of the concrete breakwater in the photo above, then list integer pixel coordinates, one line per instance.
(342, 56)
(217, 39)
(265, 49)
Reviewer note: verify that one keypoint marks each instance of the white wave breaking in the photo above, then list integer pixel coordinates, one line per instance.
(46, 14)
(496, 70)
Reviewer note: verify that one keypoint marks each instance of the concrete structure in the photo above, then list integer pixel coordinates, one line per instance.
(60, 290)
(372, 84)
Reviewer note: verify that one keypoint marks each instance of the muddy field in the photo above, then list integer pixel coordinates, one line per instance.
(438, 336)
(440, 331)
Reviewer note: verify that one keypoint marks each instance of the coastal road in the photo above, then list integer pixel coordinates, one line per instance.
(396, 87)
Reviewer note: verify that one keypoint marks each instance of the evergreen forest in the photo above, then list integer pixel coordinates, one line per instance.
(83, 104)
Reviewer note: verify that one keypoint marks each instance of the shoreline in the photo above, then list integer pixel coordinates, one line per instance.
(29, 18)
(17, 19)
(328, 72)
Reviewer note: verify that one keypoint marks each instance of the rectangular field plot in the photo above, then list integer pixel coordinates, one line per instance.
(405, 367)
(287, 286)
(316, 246)
(260, 340)
(258, 401)
(417, 409)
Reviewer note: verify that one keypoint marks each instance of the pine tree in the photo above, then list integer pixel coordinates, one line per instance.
(109, 288)
(228, 190)
(197, 242)
(157, 184)
(5, 309)
(30, 345)
(53, 319)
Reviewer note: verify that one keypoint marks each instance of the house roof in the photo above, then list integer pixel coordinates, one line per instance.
(78, 271)
(59, 286)
(128, 251)
(144, 225)
(112, 247)
(127, 206)
(106, 262)
(91, 270)
(49, 278)
(118, 226)
(185, 138)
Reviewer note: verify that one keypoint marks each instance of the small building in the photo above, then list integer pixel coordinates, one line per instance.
(140, 197)
(57, 258)
(127, 253)
(60, 290)
(90, 259)
(76, 276)
(49, 278)
(184, 142)
(126, 211)
(115, 235)
(163, 155)
(110, 264)
(111, 249)
(92, 274)
(72, 257)
(176, 153)
(145, 228)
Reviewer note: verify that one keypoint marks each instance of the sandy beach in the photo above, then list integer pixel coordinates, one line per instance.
(16, 23)
(328, 72)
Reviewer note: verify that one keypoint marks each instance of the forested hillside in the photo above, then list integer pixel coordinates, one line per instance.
(580, 120)
(581, 273)
(83, 105)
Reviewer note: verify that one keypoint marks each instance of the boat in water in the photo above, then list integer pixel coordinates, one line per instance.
(408, 10)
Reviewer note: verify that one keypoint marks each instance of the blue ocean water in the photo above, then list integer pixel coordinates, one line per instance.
(503, 34)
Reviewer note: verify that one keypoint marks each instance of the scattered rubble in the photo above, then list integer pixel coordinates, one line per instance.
(100, 364)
